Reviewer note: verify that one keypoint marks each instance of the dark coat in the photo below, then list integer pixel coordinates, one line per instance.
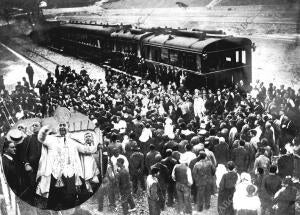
(169, 162)
(240, 157)
(285, 199)
(32, 152)
(226, 191)
(164, 175)
(222, 153)
(203, 173)
(11, 173)
(270, 185)
(150, 159)
(124, 182)
(285, 165)
(136, 163)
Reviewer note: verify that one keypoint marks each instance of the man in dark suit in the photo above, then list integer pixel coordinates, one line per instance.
(32, 154)
(222, 151)
(170, 162)
(285, 164)
(9, 166)
(270, 185)
(150, 157)
(136, 169)
(241, 157)
(203, 175)
(30, 73)
(285, 198)
(17, 137)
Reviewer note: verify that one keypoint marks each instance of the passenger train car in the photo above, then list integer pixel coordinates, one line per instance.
(207, 58)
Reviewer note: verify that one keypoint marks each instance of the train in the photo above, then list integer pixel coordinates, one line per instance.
(204, 58)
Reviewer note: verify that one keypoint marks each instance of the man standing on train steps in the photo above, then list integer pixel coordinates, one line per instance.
(29, 71)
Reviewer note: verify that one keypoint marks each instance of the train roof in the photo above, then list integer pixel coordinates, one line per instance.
(104, 29)
(210, 43)
(195, 41)
(134, 34)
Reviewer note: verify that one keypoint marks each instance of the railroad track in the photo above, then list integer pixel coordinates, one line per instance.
(45, 58)
(32, 56)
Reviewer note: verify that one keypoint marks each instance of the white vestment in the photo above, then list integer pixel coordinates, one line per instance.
(199, 107)
(60, 157)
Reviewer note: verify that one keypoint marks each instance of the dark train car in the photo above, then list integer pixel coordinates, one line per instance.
(200, 58)
(207, 60)
(89, 41)
(128, 42)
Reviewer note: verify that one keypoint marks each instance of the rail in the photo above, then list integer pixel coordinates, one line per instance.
(27, 58)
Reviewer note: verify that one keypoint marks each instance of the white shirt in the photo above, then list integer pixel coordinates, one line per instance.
(146, 135)
(121, 126)
(189, 156)
(149, 182)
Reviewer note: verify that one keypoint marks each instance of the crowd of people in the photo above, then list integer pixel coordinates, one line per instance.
(241, 143)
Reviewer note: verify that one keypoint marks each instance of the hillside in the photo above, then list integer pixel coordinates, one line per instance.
(123, 4)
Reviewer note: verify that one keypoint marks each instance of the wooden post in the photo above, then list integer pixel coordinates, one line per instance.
(100, 151)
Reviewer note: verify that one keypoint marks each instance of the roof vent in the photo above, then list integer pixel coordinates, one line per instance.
(170, 37)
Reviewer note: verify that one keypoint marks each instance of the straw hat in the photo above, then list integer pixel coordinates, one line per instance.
(16, 136)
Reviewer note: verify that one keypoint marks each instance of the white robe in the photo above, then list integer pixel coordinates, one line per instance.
(59, 157)
(199, 107)
(169, 129)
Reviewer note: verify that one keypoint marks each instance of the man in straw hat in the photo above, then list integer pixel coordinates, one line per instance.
(17, 137)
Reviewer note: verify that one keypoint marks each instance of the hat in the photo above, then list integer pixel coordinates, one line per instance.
(195, 140)
(224, 132)
(251, 190)
(202, 132)
(15, 136)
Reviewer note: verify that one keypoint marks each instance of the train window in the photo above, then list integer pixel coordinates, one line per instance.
(228, 59)
(173, 57)
(237, 54)
(155, 54)
(165, 55)
(244, 57)
(146, 52)
(119, 46)
(189, 61)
